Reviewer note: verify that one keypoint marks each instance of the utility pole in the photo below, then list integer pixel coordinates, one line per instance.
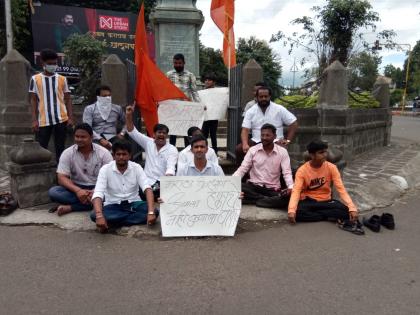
(294, 69)
(9, 31)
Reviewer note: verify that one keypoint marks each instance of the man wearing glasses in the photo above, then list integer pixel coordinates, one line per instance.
(78, 171)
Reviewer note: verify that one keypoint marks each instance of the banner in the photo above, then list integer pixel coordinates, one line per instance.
(179, 116)
(199, 205)
(216, 101)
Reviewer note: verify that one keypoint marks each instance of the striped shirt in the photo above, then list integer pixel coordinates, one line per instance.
(50, 92)
(186, 82)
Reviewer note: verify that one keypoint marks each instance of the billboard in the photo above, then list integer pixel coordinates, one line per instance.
(53, 24)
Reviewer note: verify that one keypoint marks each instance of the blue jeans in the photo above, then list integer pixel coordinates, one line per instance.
(124, 215)
(63, 196)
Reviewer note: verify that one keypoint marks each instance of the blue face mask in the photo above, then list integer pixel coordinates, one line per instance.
(50, 68)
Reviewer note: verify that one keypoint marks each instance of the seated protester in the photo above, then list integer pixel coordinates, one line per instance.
(254, 100)
(161, 157)
(266, 162)
(311, 198)
(118, 187)
(186, 156)
(103, 117)
(77, 172)
(200, 165)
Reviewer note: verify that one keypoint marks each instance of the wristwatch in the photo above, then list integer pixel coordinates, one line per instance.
(288, 141)
(150, 213)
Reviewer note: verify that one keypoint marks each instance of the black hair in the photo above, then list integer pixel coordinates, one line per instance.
(179, 57)
(210, 76)
(316, 145)
(102, 88)
(121, 144)
(191, 130)
(269, 126)
(84, 126)
(48, 54)
(198, 138)
(160, 127)
(261, 83)
(265, 88)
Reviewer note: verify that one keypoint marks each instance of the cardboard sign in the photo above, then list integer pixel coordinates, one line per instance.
(199, 205)
(179, 116)
(216, 101)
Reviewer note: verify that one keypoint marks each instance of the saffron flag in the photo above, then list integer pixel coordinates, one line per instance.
(222, 13)
(152, 85)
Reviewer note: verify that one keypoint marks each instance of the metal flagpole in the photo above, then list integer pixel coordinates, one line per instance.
(9, 31)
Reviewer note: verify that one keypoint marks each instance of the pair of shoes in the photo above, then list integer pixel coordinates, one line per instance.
(353, 227)
(374, 222)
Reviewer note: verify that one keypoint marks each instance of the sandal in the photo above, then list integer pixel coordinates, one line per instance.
(353, 227)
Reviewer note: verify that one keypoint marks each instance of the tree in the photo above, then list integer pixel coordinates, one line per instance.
(396, 74)
(363, 70)
(211, 61)
(253, 48)
(338, 33)
(413, 87)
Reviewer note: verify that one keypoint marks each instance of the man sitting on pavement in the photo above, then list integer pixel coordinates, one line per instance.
(161, 157)
(265, 112)
(311, 199)
(186, 156)
(103, 117)
(200, 165)
(118, 187)
(266, 162)
(77, 172)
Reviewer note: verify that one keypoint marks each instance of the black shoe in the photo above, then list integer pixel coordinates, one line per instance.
(373, 223)
(387, 220)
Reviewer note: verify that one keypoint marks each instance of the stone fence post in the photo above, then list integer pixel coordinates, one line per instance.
(251, 73)
(333, 91)
(114, 74)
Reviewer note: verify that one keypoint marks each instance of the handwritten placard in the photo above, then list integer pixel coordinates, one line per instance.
(180, 115)
(199, 205)
(216, 101)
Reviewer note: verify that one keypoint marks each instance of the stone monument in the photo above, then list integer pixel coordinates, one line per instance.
(176, 24)
(114, 74)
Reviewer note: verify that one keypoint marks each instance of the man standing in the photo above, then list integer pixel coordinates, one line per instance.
(200, 166)
(185, 81)
(161, 157)
(265, 112)
(210, 126)
(50, 103)
(103, 117)
(118, 185)
(64, 30)
(77, 172)
(265, 162)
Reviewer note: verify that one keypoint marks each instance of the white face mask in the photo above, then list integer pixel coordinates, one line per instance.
(50, 68)
(104, 106)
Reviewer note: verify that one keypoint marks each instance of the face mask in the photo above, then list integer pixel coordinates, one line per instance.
(104, 106)
(104, 100)
(50, 68)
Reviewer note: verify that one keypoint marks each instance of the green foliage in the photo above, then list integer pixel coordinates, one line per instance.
(363, 70)
(211, 61)
(86, 53)
(413, 87)
(396, 96)
(253, 48)
(359, 100)
(396, 74)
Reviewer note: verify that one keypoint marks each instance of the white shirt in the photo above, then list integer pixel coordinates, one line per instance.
(186, 156)
(248, 106)
(275, 114)
(116, 187)
(158, 163)
(211, 169)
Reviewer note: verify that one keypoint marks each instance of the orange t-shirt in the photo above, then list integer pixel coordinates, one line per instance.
(316, 183)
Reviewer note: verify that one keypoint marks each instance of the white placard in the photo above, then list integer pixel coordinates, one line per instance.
(180, 115)
(216, 101)
(199, 205)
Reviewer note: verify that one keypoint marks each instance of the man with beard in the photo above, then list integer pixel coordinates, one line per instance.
(77, 172)
(161, 157)
(265, 112)
(103, 117)
(118, 184)
(64, 31)
(265, 162)
(186, 82)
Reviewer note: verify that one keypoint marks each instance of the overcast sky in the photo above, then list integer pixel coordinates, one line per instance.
(262, 18)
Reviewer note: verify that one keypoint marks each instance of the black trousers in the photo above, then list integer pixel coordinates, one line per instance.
(310, 210)
(210, 127)
(172, 140)
(59, 131)
(263, 196)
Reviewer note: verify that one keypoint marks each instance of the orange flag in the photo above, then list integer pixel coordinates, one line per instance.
(222, 13)
(152, 85)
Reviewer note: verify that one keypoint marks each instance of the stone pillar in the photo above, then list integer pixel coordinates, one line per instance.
(381, 91)
(176, 24)
(114, 74)
(32, 173)
(251, 73)
(333, 91)
(15, 115)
